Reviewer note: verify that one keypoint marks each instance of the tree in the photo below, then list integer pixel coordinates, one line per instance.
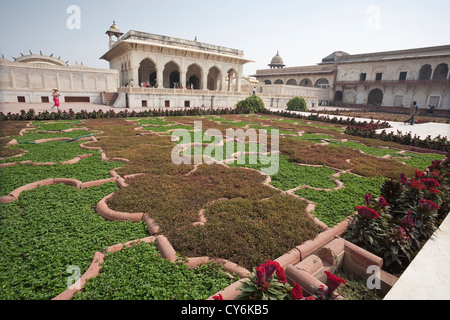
(297, 104)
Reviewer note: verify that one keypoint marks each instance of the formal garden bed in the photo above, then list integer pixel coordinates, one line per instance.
(245, 217)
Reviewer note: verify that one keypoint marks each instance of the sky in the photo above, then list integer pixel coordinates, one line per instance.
(304, 32)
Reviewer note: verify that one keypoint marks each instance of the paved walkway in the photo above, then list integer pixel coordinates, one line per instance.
(422, 130)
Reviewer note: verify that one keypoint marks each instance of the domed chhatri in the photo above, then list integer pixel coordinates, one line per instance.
(113, 31)
(277, 62)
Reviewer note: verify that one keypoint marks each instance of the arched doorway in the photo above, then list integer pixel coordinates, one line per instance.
(322, 83)
(171, 75)
(338, 96)
(232, 75)
(193, 76)
(291, 82)
(267, 82)
(147, 72)
(425, 72)
(306, 83)
(213, 79)
(193, 82)
(279, 81)
(441, 72)
(375, 97)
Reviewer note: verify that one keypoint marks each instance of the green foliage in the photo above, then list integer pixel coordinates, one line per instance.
(49, 229)
(291, 175)
(88, 169)
(140, 273)
(297, 104)
(52, 151)
(336, 206)
(252, 104)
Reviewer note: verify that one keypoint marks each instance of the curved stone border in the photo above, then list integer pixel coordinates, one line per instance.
(72, 161)
(111, 215)
(14, 142)
(165, 249)
(95, 266)
(14, 195)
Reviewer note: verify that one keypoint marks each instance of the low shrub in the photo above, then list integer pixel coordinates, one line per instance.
(297, 104)
(252, 104)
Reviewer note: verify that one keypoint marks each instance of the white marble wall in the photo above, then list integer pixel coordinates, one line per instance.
(34, 80)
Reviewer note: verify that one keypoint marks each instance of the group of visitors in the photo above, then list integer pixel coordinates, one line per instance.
(147, 84)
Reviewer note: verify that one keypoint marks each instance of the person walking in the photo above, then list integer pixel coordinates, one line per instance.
(56, 96)
(413, 111)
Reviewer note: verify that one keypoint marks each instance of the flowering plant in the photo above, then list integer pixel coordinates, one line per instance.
(406, 214)
(268, 282)
(333, 282)
(367, 228)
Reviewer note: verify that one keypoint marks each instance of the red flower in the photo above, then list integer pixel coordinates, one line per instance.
(260, 276)
(403, 179)
(382, 203)
(429, 205)
(435, 191)
(430, 183)
(408, 222)
(435, 174)
(218, 297)
(419, 174)
(398, 234)
(368, 198)
(435, 164)
(417, 185)
(333, 283)
(296, 292)
(367, 213)
(273, 266)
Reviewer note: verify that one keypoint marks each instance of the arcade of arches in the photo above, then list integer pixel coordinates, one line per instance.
(194, 77)
(321, 83)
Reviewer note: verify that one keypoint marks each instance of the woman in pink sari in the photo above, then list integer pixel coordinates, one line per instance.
(56, 96)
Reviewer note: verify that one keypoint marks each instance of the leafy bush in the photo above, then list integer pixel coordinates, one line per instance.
(252, 104)
(297, 104)
(405, 216)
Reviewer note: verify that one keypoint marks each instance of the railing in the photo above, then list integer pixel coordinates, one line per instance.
(179, 91)
(388, 82)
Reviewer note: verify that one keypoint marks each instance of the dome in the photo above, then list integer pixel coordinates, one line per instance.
(277, 61)
(114, 31)
(114, 26)
(40, 59)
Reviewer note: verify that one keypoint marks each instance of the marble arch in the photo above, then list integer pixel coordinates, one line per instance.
(171, 75)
